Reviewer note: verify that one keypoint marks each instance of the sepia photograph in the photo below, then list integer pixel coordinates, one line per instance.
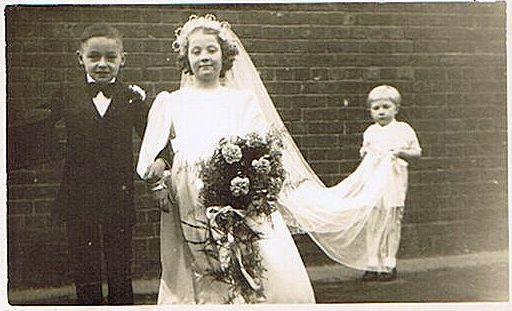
(305, 154)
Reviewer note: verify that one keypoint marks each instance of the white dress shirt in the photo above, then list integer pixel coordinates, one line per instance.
(101, 102)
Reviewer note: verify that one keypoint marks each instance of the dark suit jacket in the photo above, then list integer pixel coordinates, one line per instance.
(98, 171)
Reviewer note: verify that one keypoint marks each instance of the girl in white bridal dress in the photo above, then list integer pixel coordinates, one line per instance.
(197, 116)
(221, 95)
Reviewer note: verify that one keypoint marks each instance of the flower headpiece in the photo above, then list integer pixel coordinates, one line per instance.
(208, 21)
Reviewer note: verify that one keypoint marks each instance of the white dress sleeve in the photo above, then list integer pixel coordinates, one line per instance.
(412, 139)
(157, 132)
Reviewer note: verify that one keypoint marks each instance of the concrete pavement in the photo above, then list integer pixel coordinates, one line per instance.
(333, 277)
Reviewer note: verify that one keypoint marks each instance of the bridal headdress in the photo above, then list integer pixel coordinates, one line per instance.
(208, 21)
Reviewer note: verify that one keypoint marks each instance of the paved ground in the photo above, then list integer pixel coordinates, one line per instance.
(487, 283)
(481, 277)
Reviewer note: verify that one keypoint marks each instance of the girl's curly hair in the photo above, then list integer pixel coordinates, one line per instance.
(229, 52)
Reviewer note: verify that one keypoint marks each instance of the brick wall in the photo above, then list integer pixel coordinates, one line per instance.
(318, 61)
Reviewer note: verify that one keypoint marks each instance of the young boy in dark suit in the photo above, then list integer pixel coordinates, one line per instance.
(97, 189)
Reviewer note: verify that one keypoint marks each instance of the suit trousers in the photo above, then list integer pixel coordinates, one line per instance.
(85, 237)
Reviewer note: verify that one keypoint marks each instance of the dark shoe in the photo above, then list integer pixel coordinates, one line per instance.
(388, 276)
(370, 276)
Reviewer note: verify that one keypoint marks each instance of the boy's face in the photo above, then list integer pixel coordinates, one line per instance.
(101, 57)
(383, 111)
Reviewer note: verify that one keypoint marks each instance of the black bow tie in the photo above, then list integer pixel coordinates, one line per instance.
(106, 89)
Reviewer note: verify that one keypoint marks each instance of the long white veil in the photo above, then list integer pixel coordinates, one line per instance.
(336, 218)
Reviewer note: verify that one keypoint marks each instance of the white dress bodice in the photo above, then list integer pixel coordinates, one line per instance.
(195, 121)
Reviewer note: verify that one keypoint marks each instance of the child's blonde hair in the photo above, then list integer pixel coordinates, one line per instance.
(385, 92)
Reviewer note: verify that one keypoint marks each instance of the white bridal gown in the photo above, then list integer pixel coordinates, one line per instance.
(196, 121)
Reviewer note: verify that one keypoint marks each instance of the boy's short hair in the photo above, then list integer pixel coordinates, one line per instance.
(385, 92)
(101, 30)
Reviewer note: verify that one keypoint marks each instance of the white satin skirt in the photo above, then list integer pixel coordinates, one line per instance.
(285, 280)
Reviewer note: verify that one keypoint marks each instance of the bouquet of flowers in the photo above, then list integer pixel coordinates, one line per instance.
(241, 183)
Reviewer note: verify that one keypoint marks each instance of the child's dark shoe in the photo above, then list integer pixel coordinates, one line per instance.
(388, 276)
(370, 276)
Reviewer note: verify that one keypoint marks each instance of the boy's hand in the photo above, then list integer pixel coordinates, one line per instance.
(137, 91)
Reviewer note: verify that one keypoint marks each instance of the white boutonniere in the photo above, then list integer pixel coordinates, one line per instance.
(138, 92)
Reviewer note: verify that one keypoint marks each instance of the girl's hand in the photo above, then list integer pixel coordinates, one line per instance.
(155, 171)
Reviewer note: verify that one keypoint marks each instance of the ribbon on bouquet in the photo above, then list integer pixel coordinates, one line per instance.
(228, 246)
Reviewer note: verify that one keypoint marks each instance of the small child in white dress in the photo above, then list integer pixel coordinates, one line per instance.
(388, 137)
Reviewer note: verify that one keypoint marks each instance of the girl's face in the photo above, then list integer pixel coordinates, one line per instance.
(204, 56)
(383, 111)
